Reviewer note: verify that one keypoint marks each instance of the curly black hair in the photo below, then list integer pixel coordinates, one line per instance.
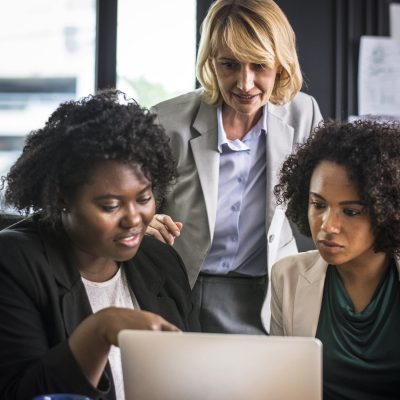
(59, 157)
(370, 153)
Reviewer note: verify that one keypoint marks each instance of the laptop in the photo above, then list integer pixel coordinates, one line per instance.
(207, 366)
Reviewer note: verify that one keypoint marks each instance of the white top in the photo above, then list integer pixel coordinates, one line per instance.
(112, 293)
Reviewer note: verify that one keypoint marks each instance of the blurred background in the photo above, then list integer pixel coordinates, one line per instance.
(52, 51)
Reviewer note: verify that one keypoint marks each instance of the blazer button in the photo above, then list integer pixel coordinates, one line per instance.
(271, 238)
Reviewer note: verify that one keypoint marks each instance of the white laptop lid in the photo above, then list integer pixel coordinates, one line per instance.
(205, 366)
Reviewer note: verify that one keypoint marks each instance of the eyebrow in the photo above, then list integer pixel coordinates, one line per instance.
(347, 202)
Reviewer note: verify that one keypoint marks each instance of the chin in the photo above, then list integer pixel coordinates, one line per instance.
(126, 255)
(334, 260)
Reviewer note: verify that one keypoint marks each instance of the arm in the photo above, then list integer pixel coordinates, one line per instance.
(35, 355)
(189, 313)
(91, 341)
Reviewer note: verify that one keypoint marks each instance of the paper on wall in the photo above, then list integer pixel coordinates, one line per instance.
(394, 10)
(379, 76)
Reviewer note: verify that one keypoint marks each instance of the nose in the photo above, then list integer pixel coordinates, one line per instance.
(331, 222)
(131, 217)
(245, 81)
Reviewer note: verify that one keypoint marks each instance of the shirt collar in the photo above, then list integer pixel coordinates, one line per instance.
(237, 145)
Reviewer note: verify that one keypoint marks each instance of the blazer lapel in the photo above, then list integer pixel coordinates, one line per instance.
(75, 304)
(206, 157)
(308, 299)
(279, 142)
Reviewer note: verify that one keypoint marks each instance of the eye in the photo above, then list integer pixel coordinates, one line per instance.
(259, 67)
(351, 212)
(144, 199)
(109, 208)
(229, 64)
(318, 205)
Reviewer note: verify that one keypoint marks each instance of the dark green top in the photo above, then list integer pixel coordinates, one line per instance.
(361, 350)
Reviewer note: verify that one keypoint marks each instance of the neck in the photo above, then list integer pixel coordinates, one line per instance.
(362, 278)
(101, 274)
(237, 124)
(368, 269)
(94, 268)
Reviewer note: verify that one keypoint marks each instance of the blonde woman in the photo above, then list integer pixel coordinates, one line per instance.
(229, 139)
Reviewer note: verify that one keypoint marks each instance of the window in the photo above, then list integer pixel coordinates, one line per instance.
(47, 49)
(156, 49)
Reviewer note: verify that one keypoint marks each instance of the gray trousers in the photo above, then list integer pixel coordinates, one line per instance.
(229, 304)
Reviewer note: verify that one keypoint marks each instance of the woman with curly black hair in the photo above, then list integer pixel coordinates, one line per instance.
(79, 268)
(343, 187)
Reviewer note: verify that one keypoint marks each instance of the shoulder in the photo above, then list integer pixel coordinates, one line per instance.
(162, 256)
(23, 257)
(184, 117)
(302, 101)
(302, 105)
(295, 265)
(301, 113)
(153, 247)
(182, 103)
(22, 237)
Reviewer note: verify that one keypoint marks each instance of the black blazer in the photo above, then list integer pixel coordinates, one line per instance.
(42, 300)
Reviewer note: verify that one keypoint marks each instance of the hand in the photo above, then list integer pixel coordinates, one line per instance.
(163, 228)
(113, 320)
(91, 341)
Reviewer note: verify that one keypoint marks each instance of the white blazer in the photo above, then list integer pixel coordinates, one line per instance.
(192, 127)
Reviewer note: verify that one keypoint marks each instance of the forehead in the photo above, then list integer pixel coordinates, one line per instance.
(331, 180)
(241, 55)
(111, 174)
(242, 45)
(224, 51)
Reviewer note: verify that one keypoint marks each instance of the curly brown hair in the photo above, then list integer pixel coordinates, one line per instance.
(370, 152)
(59, 157)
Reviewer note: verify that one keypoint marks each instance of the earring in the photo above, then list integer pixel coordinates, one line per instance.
(64, 209)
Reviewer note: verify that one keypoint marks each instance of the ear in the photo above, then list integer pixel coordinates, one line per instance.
(63, 203)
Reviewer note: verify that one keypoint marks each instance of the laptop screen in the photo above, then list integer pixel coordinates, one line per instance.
(205, 366)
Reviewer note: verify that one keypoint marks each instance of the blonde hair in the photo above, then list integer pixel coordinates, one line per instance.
(255, 31)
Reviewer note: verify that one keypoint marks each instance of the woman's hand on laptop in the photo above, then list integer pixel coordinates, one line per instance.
(163, 228)
(125, 318)
(91, 341)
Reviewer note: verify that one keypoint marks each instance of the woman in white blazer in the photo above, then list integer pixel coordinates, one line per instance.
(229, 139)
(343, 187)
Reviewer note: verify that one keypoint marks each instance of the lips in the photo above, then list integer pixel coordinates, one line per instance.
(130, 239)
(329, 246)
(246, 97)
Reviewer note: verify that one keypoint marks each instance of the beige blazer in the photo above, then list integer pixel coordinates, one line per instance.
(297, 289)
(192, 127)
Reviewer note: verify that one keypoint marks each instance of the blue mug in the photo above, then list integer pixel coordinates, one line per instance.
(61, 396)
